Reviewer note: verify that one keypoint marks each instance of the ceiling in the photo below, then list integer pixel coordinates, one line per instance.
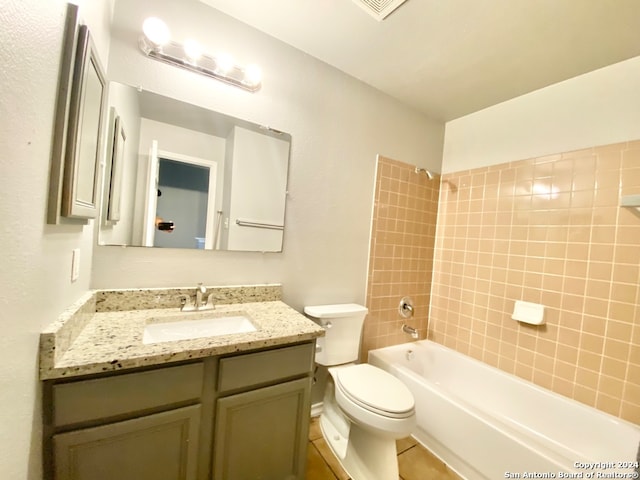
(448, 58)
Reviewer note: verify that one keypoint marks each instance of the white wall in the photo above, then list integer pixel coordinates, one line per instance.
(36, 258)
(180, 141)
(338, 125)
(597, 108)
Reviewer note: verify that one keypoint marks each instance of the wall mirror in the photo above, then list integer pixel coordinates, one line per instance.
(192, 178)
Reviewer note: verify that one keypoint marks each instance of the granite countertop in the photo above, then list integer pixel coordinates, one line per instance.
(106, 341)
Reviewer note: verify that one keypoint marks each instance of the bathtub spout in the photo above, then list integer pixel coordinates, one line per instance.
(410, 330)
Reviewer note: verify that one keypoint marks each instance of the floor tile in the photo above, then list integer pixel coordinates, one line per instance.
(330, 458)
(314, 429)
(405, 444)
(417, 463)
(317, 468)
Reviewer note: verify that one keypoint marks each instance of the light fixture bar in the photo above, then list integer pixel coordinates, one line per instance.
(173, 53)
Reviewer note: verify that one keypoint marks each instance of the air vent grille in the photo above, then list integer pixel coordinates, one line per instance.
(379, 9)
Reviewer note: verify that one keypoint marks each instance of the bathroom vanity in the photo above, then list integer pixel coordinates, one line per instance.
(225, 407)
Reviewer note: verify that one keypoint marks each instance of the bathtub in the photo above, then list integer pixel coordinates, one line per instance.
(487, 424)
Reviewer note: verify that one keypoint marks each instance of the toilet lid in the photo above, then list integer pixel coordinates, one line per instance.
(375, 389)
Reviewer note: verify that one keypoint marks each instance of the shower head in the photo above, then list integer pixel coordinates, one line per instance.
(426, 172)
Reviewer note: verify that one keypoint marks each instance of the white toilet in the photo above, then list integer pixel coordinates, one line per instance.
(365, 409)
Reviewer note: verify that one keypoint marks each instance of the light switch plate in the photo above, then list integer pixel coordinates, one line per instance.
(75, 264)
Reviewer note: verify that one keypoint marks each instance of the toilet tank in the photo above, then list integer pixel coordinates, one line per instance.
(343, 328)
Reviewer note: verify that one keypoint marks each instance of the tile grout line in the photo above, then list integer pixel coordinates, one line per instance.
(313, 444)
(335, 474)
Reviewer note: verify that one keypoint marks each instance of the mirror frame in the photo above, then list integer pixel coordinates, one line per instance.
(69, 42)
(84, 144)
(118, 139)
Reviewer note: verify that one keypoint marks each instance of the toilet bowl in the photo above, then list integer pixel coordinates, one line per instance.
(365, 409)
(374, 398)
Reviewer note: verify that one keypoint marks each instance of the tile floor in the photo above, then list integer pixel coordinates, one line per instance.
(414, 461)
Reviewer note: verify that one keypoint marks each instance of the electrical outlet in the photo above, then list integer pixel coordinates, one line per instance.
(75, 264)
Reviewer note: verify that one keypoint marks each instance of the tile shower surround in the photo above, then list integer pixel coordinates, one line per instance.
(401, 252)
(546, 230)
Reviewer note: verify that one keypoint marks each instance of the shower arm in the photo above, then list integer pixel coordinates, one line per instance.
(425, 171)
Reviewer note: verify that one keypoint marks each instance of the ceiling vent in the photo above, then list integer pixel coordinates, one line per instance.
(379, 9)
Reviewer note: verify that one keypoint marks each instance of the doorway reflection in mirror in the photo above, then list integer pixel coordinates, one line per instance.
(220, 177)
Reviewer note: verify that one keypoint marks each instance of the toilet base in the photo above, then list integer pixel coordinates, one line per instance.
(362, 455)
(363, 442)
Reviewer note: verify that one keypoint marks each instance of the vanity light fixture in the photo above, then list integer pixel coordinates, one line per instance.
(156, 31)
(192, 49)
(156, 43)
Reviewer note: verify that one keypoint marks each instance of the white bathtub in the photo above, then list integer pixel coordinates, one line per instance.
(487, 424)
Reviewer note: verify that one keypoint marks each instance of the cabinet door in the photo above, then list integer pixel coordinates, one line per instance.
(162, 446)
(262, 434)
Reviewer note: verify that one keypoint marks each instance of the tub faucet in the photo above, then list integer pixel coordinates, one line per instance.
(410, 330)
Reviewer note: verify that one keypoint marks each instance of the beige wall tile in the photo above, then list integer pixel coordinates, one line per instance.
(402, 248)
(548, 230)
(571, 247)
(609, 404)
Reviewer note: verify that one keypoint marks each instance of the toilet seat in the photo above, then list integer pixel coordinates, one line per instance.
(375, 390)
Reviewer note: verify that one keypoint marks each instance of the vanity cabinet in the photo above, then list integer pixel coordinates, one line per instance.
(134, 426)
(162, 446)
(236, 417)
(261, 432)
(258, 433)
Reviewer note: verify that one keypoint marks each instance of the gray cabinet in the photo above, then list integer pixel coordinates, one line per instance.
(262, 414)
(162, 446)
(242, 416)
(258, 433)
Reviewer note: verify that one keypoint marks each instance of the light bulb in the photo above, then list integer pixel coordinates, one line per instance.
(224, 63)
(192, 49)
(252, 75)
(156, 31)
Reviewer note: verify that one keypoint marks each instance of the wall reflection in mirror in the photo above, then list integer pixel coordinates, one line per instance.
(192, 178)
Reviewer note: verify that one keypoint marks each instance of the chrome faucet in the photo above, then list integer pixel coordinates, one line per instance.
(410, 330)
(199, 304)
(185, 304)
(200, 291)
(406, 307)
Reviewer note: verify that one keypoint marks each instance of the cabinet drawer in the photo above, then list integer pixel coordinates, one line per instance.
(87, 400)
(264, 367)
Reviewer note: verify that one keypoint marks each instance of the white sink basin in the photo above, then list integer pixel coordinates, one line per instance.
(186, 329)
